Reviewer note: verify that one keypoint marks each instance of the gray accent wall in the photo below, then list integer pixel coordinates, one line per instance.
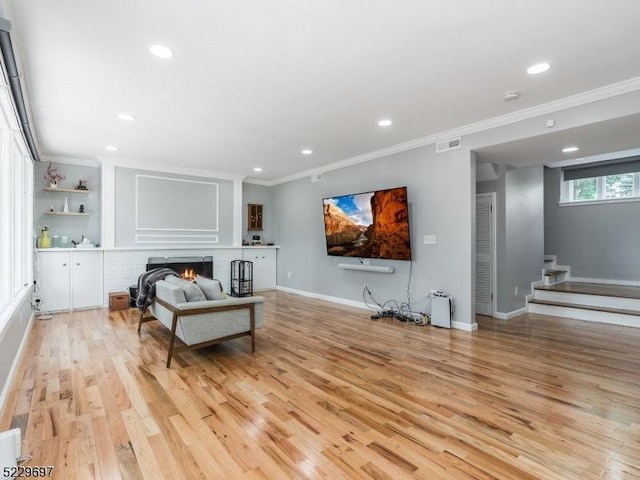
(439, 189)
(598, 241)
(524, 235)
(185, 212)
(74, 227)
(519, 233)
(261, 195)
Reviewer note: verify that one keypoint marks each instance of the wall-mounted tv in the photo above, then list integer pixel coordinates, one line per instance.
(368, 225)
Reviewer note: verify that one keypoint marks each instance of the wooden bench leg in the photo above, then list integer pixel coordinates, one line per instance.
(140, 321)
(252, 320)
(174, 324)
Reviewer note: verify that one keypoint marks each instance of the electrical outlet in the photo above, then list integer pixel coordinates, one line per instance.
(35, 303)
(288, 274)
(516, 291)
(429, 239)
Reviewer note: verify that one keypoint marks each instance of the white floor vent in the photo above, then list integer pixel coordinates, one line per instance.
(452, 144)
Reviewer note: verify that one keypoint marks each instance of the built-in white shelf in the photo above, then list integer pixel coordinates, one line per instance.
(66, 190)
(77, 214)
(366, 268)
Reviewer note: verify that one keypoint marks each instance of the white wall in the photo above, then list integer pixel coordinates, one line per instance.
(13, 337)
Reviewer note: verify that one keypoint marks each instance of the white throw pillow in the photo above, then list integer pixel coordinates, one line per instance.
(192, 292)
(212, 288)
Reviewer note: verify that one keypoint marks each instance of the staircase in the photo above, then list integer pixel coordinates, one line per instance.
(554, 273)
(605, 303)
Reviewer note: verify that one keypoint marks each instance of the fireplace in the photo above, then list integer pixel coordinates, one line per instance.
(186, 267)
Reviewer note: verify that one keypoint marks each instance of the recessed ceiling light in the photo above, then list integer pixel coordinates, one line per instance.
(538, 68)
(111, 148)
(384, 123)
(127, 117)
(307, 151)
(257, 169)
(161, 51)
(570, 149)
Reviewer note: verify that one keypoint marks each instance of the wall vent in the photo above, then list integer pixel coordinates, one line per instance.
(452, 144)
(317, 177)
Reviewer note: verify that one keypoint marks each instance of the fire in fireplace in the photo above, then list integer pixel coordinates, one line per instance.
(186, 267)
(189, 274)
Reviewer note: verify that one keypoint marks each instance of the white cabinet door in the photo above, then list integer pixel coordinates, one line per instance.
(264, 267)
(53, 281)
(86, 279)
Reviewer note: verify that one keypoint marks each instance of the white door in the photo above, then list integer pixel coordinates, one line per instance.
(86, 279)
(54, 281)
(485, 246)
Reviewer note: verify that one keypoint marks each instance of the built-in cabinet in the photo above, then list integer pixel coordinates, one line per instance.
(70, 279)
(264, 266)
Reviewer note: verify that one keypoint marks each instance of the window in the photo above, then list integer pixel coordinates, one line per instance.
(584, 189)
(614, 181)
(16, 210)
(619, 186)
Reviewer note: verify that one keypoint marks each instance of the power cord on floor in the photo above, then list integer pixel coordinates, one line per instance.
(393, 309)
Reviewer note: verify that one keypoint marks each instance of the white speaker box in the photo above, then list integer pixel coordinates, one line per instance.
(441, 311)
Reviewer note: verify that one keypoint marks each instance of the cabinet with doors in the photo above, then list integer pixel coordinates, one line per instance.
(69, 279)
(264, 266)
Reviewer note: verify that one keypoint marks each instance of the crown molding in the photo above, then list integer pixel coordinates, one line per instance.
(258, 181)
(620, 88)
(155, 167)
(83, 162)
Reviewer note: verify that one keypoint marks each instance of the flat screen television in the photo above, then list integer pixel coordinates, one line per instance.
(368, 225)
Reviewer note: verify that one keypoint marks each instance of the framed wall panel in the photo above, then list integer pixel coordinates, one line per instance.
(170, 210)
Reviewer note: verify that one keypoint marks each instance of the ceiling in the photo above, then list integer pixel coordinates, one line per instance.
(616, 135)
(252, 83)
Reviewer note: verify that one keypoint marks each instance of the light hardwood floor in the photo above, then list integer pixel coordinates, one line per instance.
(331, 394)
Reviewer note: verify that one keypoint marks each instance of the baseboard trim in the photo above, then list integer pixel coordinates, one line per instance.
(469, 327)
(7, 386)
(627, 283)
(510, 315)
(586, 315)
(319, 296)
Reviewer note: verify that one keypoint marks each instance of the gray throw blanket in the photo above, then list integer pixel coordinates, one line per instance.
(147, 285)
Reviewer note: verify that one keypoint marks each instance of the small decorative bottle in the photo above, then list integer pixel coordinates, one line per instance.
(45, 241)
(65, 209)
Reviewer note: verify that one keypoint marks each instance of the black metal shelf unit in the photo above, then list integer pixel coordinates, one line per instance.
(241, 278)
